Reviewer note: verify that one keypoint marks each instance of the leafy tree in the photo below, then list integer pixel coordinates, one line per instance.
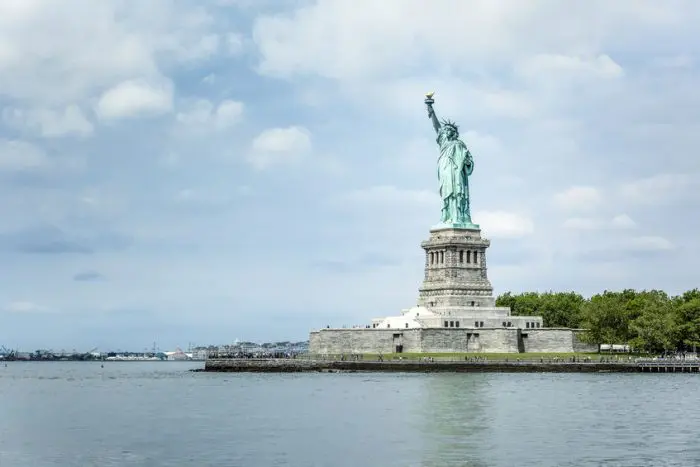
(688, 315)
(648, 305)
(602, 318)
(690, 295)
(562, 309)
(655, 326)
(526, 304)
(647, 320)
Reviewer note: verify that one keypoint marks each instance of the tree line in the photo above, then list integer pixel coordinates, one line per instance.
(648, 320)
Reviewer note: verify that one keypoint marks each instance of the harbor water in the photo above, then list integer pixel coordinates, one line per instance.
(161, 414)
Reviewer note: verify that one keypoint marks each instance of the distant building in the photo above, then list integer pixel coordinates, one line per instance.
(178, 354)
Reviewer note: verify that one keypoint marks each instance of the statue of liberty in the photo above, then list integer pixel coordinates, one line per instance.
(454, 166)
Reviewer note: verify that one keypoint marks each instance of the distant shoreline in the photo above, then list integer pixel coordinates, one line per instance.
(321, 366)
(68, 360)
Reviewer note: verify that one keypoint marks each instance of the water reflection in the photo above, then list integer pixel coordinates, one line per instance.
(456, 420)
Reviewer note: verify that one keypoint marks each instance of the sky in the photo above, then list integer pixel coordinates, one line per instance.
(186, 172)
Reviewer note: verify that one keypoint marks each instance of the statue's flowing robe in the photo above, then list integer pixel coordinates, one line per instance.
(455, 165)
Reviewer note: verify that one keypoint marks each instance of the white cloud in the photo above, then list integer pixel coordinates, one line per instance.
(578, 198)
(330, 164)
(48, 53)
(279, 145)
(203, 197)
(196, 49)
(544, 65)
(308, 40)
(485, 145)
(52, 60)
(21, 156)
(50, 123)
(135, 98)
(502, 224)
(674, 61)
(648, 243)
(24, 307)
(228, 113)
(583, 223)
(659, 189)
(211, 78)
(234, 43)
(292, 138)
(199, 113)
(623, 221)
(203, 114)
(391, 196)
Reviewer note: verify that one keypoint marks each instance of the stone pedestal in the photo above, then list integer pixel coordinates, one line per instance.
(456, 310)
(455, 270)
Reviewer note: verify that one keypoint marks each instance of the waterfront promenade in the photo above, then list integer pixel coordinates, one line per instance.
(291, 365)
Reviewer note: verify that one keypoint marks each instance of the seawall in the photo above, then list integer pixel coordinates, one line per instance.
(303, 365)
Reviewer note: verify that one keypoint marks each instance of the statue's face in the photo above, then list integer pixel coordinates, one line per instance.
(450, 133)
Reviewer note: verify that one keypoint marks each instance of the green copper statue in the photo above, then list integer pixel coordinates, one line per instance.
(454, 166)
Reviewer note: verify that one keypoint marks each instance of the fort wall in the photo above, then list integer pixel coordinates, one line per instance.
(441, 340)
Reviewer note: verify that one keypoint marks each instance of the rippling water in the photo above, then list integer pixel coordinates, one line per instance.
(159, 414)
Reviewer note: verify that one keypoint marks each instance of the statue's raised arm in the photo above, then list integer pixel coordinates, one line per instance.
(431, 112)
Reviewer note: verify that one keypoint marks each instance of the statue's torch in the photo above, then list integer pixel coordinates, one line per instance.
(429, 101)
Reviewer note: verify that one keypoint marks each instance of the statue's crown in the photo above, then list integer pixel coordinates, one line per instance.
(451, 124)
